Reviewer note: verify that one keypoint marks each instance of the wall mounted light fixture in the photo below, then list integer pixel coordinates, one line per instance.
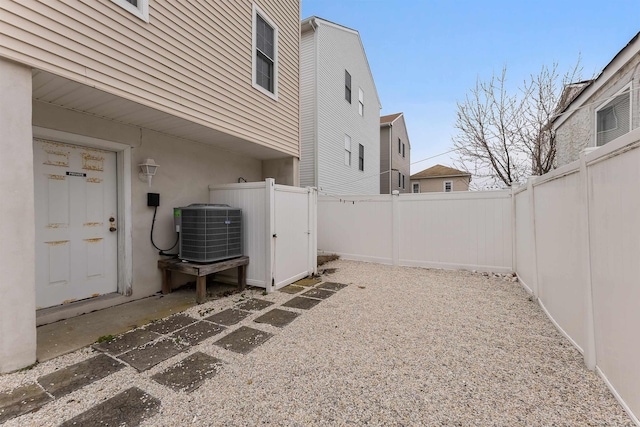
(148, 170)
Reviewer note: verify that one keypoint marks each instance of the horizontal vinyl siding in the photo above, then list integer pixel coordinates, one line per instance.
(340, 50)
(308, 109)
(402, 164)
(384, 160)
(192, 60)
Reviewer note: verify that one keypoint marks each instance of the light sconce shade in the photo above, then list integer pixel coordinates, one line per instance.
(148, 170)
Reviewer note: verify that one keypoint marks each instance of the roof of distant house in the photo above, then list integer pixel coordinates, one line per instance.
(439, 171)
(389, 118)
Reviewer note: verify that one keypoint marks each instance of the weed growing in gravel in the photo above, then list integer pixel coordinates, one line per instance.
(105, 338)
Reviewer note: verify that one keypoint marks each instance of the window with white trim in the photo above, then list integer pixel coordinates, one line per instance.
(416, 187)
(399, 179)
(448, 186)
(139, 8)
(403, 150)
(614, 118)
(399, 146)
(265, 54)
(347, 86)
(403, 182)
(361, 157)
(360, 102)
(347, 150)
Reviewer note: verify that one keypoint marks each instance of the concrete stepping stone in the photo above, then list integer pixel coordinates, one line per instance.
(254, 304)
(228, 317)
(318, 293)
(197, 332)
(243, 340)
(150, 355)
(65, 380)
(277, 317)
(189, 374)
(302, 303)
(125, 342)
(309, 281)
(332, 286)
(170, 324)
(128, 408)
(22, 400)
(291, 289)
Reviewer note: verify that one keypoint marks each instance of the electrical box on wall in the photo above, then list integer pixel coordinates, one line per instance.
(153, 199)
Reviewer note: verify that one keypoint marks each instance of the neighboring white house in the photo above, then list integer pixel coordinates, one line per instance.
(340, 111)
(602, 109)
(89, 90)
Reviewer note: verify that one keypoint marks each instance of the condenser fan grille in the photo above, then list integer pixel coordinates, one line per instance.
(210, 233)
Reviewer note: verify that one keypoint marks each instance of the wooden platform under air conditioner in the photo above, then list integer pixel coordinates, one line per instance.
(201, 271)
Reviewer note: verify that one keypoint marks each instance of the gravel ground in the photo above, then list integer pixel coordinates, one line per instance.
(398, 346)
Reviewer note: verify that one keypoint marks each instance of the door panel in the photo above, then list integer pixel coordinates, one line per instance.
(76, 254)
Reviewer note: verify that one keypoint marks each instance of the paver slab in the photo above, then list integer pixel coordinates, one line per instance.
(332, 286)
(128, 408)
(291, 289)
(301, 302)
(125, 342)
(148, 356)
(22, 400)
(171, 324)
(243, 339)
(197, 332)
(309, 281)
(277, 317)
(228, 317)
(318, 293)
(254, 304)
(189, 374)
(71, 378)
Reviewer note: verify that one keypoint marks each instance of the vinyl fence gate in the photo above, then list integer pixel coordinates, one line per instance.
(280, 230)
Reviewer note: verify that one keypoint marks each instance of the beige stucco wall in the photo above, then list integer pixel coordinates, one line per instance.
(186, 170)
(192, 60)
(577, 131)
(437, 184)
(17, 253)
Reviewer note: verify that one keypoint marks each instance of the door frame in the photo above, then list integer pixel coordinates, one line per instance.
(123, 187)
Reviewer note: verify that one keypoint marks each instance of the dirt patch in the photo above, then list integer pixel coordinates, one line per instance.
(323, 259)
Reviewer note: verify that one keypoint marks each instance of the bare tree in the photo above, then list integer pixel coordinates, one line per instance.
(504, 138)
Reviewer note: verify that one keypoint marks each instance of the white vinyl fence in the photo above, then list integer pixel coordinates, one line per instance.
(463, 230)
(578, 251)
(279, 230)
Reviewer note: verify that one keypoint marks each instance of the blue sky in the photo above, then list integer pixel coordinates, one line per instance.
(426, 55)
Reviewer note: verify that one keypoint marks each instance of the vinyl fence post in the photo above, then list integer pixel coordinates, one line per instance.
(395, 230)
(270, 225)
(534, 237)
(590, 340)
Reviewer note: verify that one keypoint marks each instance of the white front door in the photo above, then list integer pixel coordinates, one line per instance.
(76, 222)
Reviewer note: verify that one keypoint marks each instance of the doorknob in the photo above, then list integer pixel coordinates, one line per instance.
(112, 229)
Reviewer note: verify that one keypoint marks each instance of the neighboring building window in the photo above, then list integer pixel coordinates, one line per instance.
(139, 8)
(265, 54)
(347, 150)
(614, 119)
(416, 187)
(448, 186)
(403, 182)
(361, 157)
(403, 150)
(399, 179)
(399, 146)
(347, 86)
(360, 102)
